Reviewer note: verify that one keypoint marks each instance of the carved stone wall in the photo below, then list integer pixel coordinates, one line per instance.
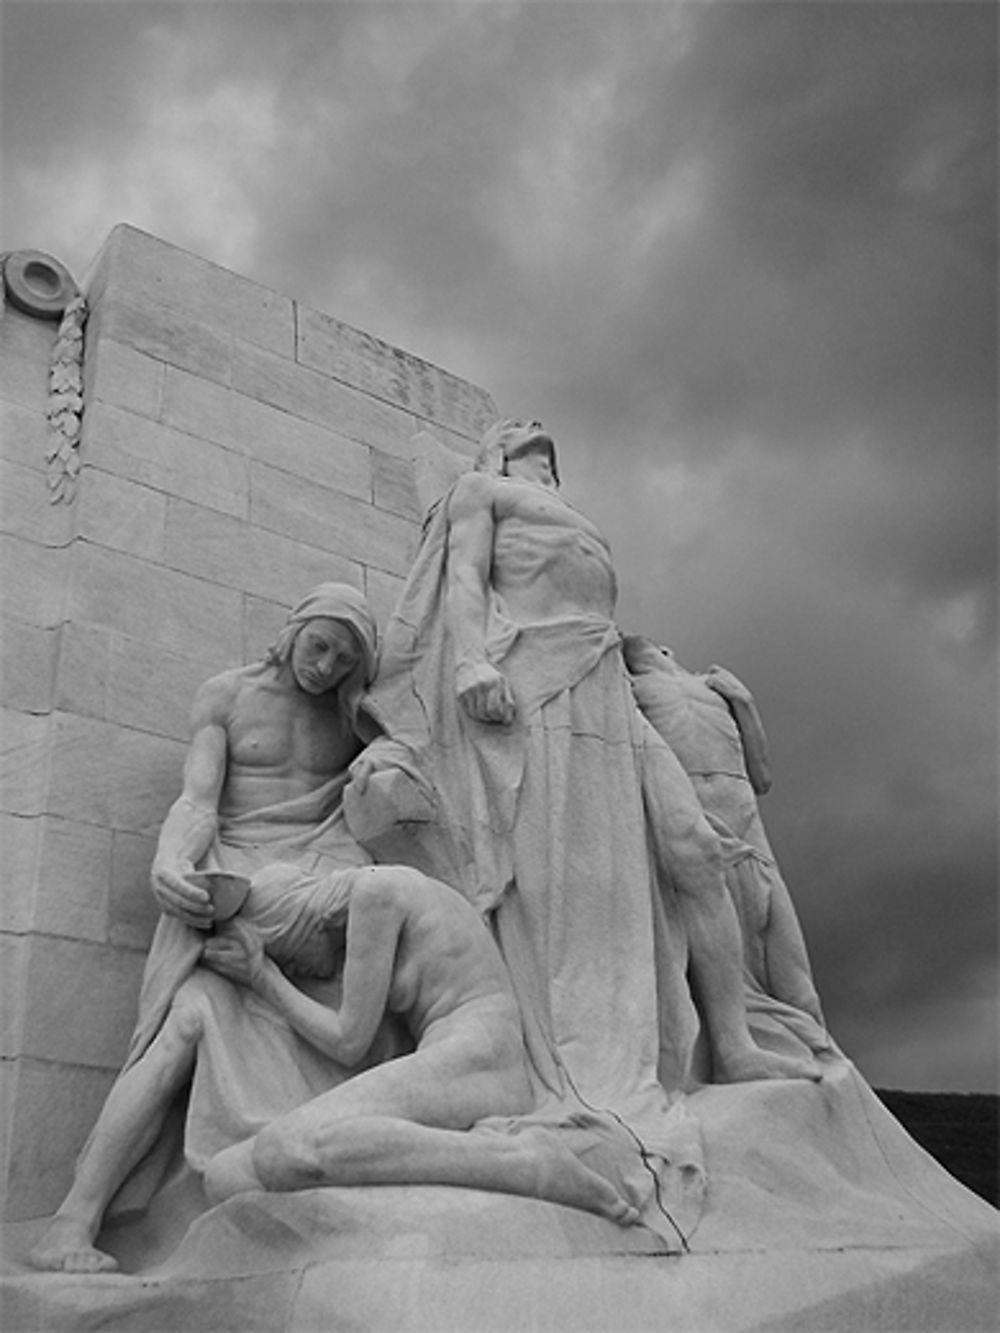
(236, 448)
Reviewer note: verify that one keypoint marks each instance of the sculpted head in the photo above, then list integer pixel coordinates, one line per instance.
(516, 448)
(642, 655)
(300, 917)
(329, 642)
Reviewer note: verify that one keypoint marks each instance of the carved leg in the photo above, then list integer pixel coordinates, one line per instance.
(129, 1124)
(375, 1150)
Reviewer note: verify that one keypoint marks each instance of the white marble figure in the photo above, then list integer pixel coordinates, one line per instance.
(711, 722)
(271, 744)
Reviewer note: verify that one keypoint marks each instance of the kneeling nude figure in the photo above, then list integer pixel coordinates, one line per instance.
(397, 940)
(411, 944)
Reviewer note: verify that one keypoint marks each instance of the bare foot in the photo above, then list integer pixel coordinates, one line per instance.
(745, 1064)
(560, 1177)
(66, 1248)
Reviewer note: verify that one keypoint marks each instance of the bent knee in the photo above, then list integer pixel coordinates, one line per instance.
(184, 1024)
(283, 1157)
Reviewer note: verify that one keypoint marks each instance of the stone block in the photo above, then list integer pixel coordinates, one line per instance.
(122, 377)
(56, 1106)
(26, 509)
(149, 269)
(334, 522)
(163, 333)
(24, 382)
(382, 591)
(393, 486)
(120, 514)
(154, 455)
(132, 909)
(151, 688)
(24, 435)
(33, 587)
(83, 665)
(24, 762)
(20, 838)
(244, 556)
(356, 358)
(27, 665)
(25, 336)
(315, 397)
(162, 606)
(57, 1026)
(72, 884)
(273, 436)
(13, 962)
(262, 619)
(112, 776)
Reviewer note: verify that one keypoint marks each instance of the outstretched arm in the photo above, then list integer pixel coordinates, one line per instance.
(482, 690)
(191, 822)
(754, 740)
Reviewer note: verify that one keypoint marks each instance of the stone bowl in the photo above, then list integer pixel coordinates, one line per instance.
(227, 891)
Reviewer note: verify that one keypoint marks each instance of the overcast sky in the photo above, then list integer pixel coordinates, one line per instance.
(741, 259)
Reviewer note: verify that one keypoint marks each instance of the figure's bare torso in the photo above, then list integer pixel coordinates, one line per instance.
(441, 964)
(281, 742)
(548, 559)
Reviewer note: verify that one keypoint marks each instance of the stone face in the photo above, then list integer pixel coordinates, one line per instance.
(119, 514)
(132, 909)
(19, 845)
(165, 334)
(73, 880)
(26, 509)
(24, 762)
(33, 587)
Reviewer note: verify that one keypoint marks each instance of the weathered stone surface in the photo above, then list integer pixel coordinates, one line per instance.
(387, 372)
(13, 959)
(393, 485)
(33, 586)
(122, 377)
(270, 434)
(84, 662)
(25, 336)
(306, 393)
(56, 1025)
(54, 1108)
(262, 619)
(24, 381)
(27, 665)
(112, 776)
(169, 460)
(333, 522)
(120, 514)
(382, 590)
(24, 435)
(164, 333)
(74, 870)
(26, 509)
(151, 688)
(24, 762)
(149, 269)
(243, 556)
(163, 606)
(19, 843)
(132, 909)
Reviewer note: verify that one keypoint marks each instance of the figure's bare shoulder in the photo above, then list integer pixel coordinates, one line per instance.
(473, 493)
(214, 703)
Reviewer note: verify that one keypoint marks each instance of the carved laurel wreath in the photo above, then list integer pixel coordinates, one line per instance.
(64, 409)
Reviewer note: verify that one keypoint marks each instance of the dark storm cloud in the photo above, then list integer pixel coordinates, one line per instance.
(741, 259)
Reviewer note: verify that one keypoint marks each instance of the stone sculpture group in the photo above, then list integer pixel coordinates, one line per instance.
(510, 896)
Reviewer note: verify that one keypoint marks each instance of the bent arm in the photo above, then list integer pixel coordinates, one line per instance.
(191, 822)
(374, 924)
(482, 689)
(753, 738)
